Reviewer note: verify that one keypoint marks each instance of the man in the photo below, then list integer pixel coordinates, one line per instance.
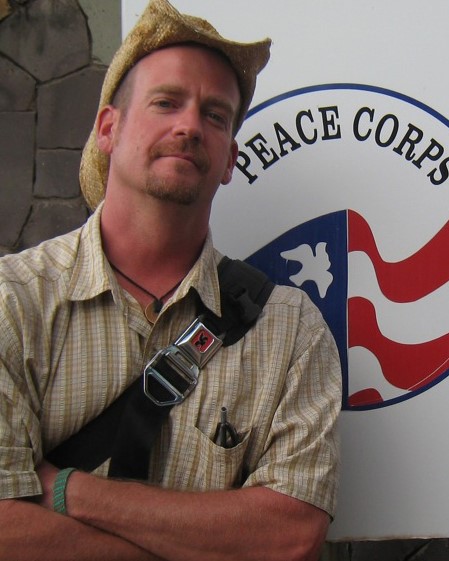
(84, 313)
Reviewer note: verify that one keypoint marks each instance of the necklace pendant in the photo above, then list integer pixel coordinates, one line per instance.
(150, 313)
(152, 310)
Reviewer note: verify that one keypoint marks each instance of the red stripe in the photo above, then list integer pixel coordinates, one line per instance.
(410, 279)
(405, 366)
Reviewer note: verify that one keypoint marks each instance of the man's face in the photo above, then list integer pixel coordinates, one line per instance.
(174, 141)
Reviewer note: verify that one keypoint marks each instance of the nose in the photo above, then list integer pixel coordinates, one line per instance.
(189, 124)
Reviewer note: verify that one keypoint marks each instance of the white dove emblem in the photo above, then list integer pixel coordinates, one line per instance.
(315, 266)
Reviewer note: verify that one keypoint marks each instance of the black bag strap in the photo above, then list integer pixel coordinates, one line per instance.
(244, 291)
(126, 430)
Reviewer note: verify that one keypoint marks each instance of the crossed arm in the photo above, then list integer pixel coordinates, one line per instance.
(132, 521)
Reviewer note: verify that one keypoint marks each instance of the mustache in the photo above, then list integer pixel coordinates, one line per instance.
(193, 151)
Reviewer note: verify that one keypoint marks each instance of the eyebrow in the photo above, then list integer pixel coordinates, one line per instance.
(210, 100)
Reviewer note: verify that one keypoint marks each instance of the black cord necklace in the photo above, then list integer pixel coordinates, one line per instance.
(157, 302)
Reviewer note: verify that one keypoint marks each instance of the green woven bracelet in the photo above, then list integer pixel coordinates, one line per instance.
(59, 489)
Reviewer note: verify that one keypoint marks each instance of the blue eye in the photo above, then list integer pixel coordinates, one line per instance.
(218, 119)
(165, 103)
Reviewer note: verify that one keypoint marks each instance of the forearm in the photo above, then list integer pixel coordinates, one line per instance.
(249, 524)
(32, 533)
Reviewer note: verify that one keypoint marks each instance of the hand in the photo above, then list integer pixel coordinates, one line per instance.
(47, 474)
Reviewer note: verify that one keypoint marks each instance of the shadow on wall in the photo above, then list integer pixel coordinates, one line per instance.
(49, 94)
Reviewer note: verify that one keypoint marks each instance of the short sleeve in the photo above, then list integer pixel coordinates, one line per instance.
(20, 440)
(301, 457)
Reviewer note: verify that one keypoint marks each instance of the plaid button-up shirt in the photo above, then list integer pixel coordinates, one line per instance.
(73, 340)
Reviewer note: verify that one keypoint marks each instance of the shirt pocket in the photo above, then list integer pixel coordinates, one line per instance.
(217, 467)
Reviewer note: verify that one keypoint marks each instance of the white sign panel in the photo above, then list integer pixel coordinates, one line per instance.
(342, 189)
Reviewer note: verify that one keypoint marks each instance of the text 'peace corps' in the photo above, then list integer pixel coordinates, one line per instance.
(368, 125)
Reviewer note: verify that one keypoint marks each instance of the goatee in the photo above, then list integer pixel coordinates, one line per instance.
(183, 193)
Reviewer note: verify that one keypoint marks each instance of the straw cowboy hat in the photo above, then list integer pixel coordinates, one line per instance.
(161, 25)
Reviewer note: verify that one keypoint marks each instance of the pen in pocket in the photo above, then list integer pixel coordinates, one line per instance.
(225, 435)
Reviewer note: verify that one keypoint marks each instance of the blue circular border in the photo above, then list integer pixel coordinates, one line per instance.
(402, 97)
(348, 86)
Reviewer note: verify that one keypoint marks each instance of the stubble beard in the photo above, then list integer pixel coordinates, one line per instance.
(166, 190)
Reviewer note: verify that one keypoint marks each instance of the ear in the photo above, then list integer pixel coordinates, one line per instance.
(233, 154)
(106, 126)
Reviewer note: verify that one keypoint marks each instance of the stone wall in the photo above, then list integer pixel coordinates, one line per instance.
(53, 56)
(49, 90)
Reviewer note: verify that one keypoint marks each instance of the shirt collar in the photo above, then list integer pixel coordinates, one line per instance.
(91, 273)
(203, 278)
(89, 276)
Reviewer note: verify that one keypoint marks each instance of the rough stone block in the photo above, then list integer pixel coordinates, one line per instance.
(67, 108)
(16, 173)
(335, 552)
(104, 21)
(434, 550)
(53, 38)
(52, 218)
(400, 550)
(16, 87)
(5, 251)
(5, 9)
(57, 173)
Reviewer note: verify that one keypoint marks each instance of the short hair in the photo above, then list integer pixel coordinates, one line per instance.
(124, 91)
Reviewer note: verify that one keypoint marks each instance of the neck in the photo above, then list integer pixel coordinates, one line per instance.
(155, 245)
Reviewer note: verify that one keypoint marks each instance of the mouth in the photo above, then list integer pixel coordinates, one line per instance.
(186, 157)
(183, 151)
(197, 160)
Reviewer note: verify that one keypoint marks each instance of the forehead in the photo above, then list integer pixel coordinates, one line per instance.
(187, 62)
